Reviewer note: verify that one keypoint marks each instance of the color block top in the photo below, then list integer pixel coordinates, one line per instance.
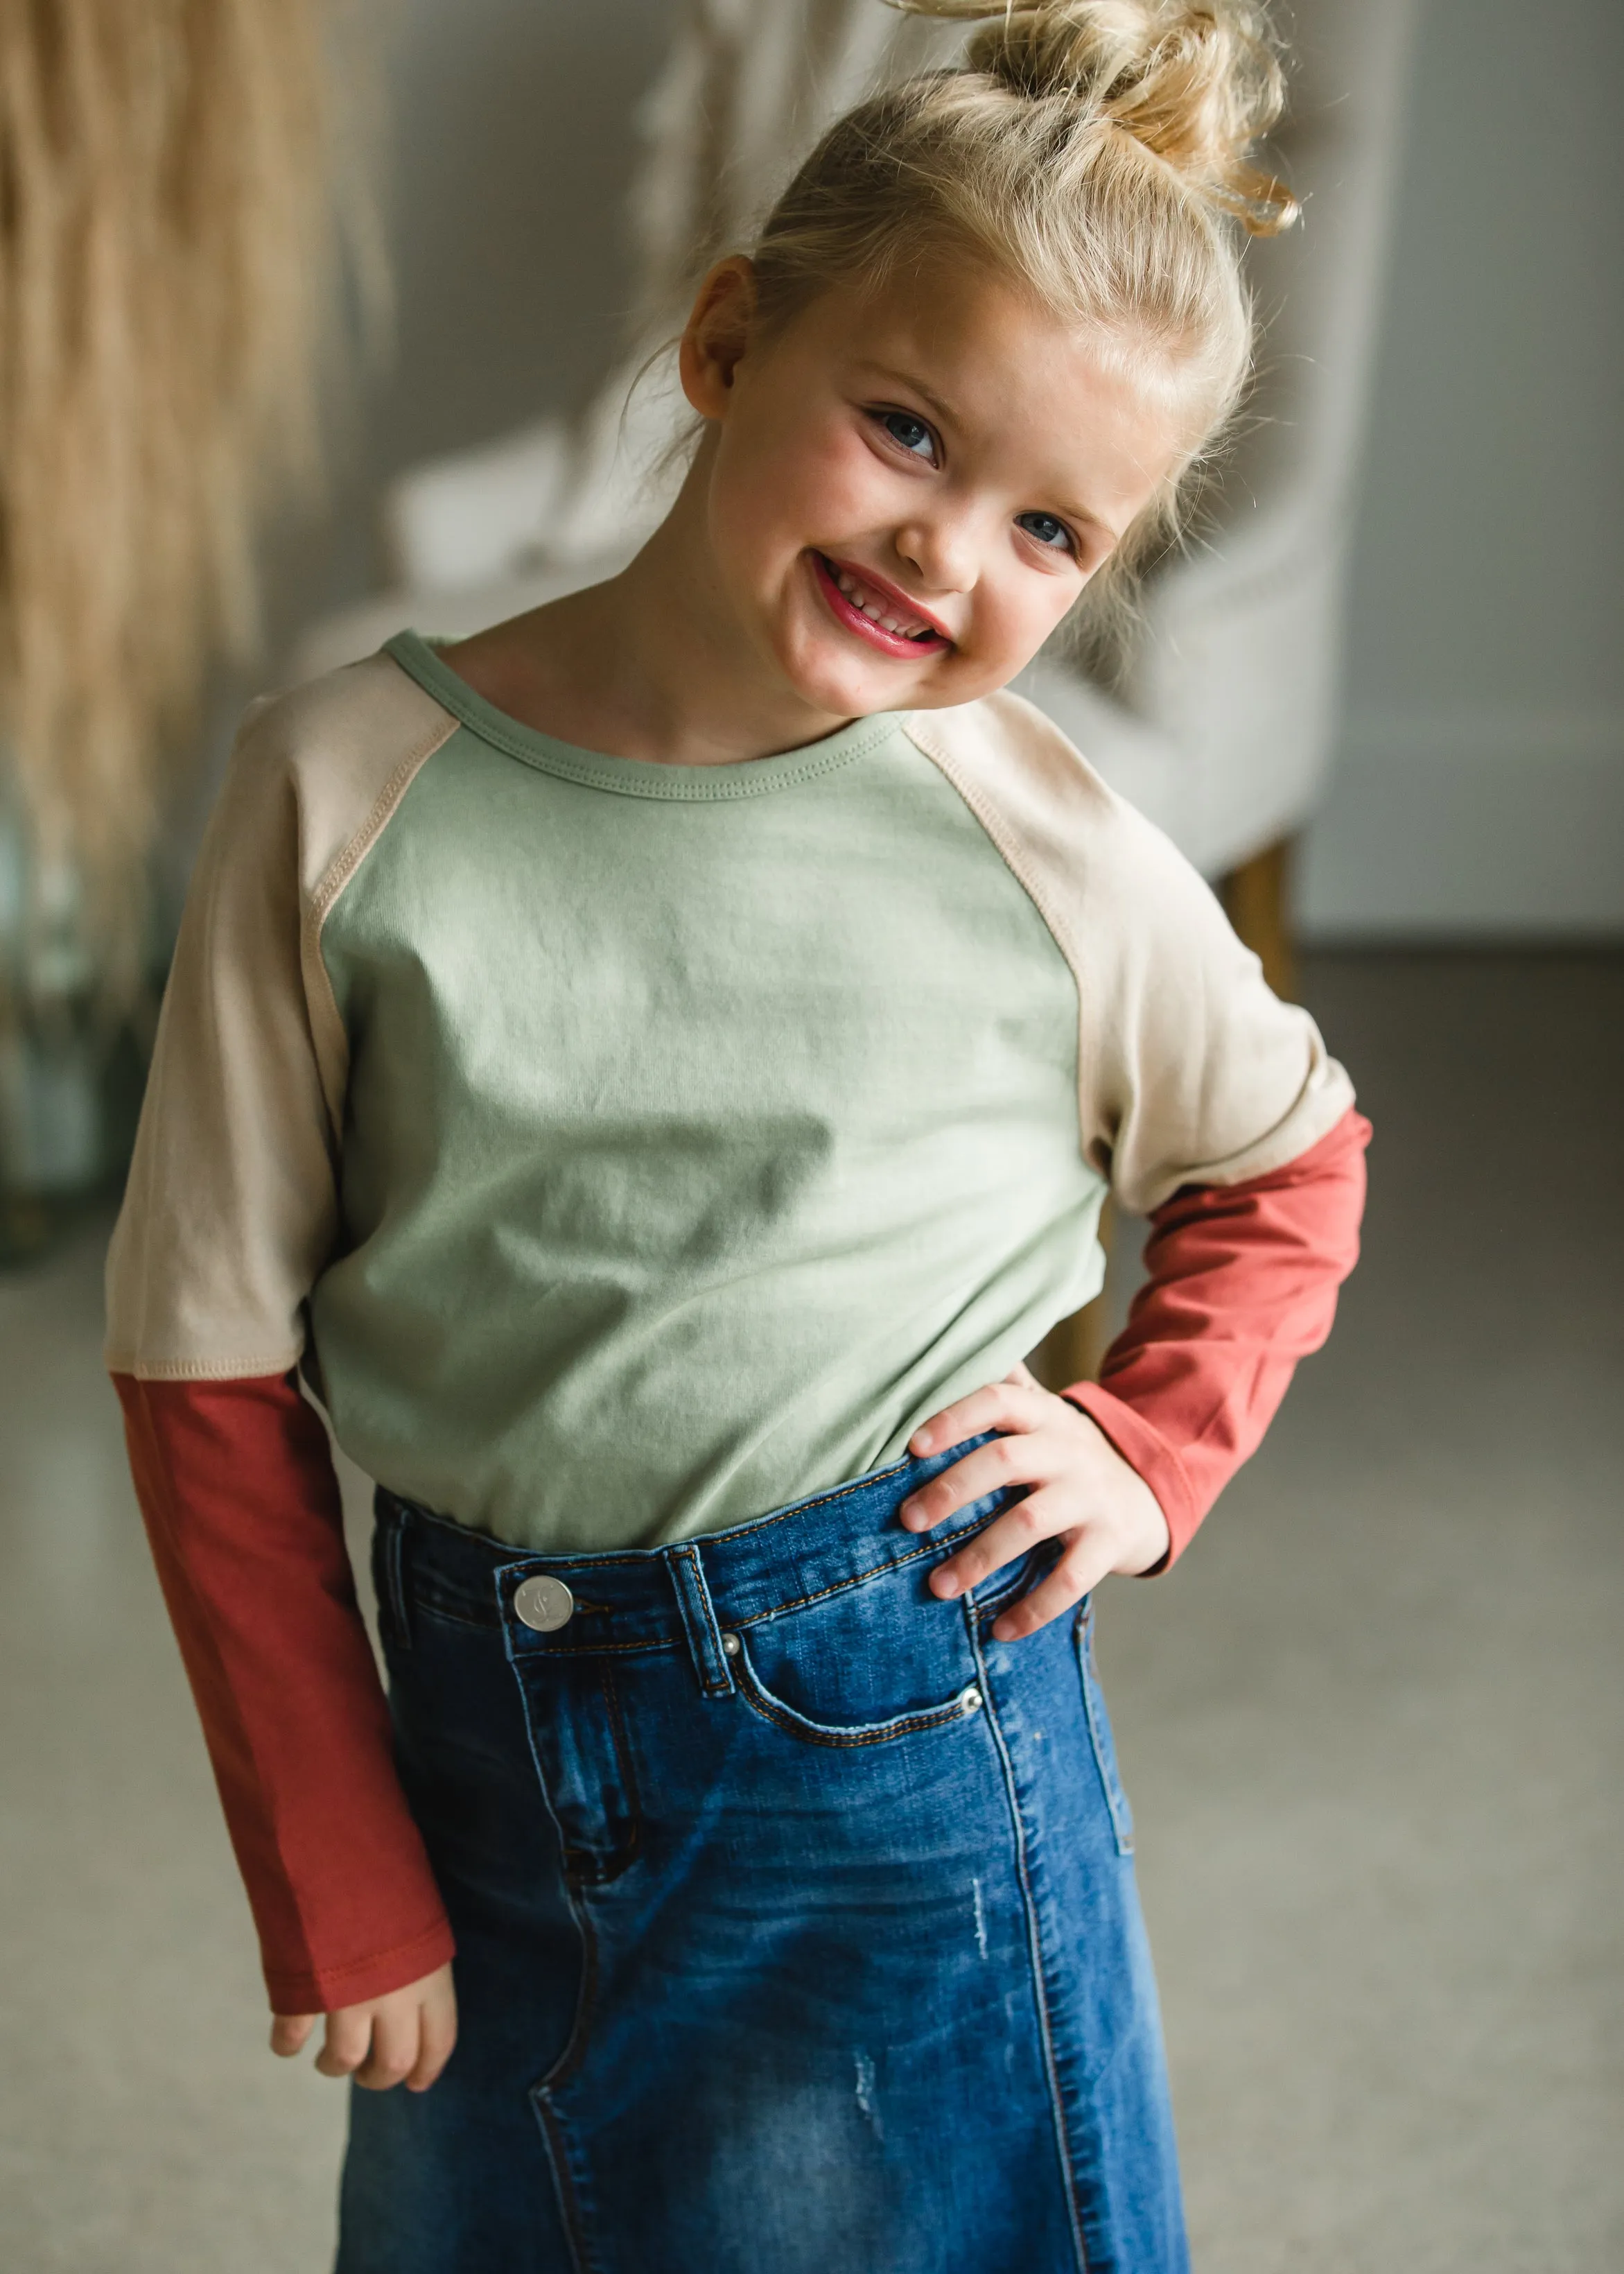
(630, 1148)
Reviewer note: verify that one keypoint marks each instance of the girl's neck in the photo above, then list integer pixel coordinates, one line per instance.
(651, 665)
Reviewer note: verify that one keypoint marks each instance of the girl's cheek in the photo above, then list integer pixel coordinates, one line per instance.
(827, 483)
(1010, 625)
(770, 491)
(1024, 608)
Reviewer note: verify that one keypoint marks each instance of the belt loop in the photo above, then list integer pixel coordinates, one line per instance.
(389, 1568)
(704, 1637)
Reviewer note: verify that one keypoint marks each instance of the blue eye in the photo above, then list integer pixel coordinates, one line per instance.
(913, 433)
(1048, 532)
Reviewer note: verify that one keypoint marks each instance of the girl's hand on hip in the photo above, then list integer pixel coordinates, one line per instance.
(403, 2037)
(1082, 1493)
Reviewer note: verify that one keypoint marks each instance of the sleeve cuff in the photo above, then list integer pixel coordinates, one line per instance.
(323, 1992)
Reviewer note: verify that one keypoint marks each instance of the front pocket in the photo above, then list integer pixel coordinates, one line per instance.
(1001, 1588)
(961, 1706)
(1100, 1730)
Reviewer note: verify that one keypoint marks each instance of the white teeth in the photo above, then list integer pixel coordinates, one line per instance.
(867, 604)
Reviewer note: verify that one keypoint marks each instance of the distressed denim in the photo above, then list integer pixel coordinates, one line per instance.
(796, 1921)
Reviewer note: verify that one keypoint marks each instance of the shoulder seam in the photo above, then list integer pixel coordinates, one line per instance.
(323, 1004)
(993, 823)
(1006, 842)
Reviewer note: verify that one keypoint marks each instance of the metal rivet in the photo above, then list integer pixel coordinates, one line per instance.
(544, 1603)
(732, 1645)
(970, 1700)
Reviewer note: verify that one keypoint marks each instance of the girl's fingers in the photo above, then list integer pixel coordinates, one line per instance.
(1016, 1532)
(1007, 1404)
(437, 2041)
(1079, 1569)
(405, 2037)
(289, 2032)
(397, 2037)
(348, 2040)
(1005, 1461)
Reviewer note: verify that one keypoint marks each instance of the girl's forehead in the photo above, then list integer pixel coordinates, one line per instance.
(959, 314)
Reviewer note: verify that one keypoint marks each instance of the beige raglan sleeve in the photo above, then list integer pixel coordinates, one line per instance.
(230, 1210)
(1190, 1070)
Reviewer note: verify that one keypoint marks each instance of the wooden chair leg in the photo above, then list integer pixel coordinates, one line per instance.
(1256, 900)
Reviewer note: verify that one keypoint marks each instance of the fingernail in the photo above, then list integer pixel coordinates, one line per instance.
(947, 1584)
(921, 1440)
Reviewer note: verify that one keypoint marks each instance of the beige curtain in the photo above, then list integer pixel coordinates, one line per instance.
(168, 245)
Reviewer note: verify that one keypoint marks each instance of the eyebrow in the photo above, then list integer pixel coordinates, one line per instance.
(945, 411)
(906, 379)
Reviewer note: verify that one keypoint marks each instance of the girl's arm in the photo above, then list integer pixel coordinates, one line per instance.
(1210, 1107)
(242, 1508)
(1242, 1283)
(231, 1213)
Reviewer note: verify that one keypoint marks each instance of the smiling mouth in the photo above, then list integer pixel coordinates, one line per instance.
(875, 615)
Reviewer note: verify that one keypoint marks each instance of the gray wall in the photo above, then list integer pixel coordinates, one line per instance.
(508, 143)
(1481, 782)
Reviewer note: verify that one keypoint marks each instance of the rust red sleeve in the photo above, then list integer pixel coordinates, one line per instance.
(242, 1508)
(1242, 1283)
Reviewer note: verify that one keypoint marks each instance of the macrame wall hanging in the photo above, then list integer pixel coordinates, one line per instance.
(171, 218)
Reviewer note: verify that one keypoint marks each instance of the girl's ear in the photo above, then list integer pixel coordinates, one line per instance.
(717, 333)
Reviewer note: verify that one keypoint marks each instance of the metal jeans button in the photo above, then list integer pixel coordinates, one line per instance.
(544, 1603)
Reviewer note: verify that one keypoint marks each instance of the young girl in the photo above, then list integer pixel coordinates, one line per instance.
(656, 1067)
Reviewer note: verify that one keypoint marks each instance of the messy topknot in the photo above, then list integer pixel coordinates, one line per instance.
(1197, 85)
(1098, 153)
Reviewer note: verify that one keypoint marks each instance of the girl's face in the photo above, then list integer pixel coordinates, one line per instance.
(904, 492)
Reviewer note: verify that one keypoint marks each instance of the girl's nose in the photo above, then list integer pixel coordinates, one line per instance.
(942, 552)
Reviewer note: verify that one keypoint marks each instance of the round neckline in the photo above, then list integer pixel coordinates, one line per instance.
(421, 660)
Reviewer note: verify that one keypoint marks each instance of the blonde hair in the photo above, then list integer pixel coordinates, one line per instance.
(1096, 152)
(165, 255)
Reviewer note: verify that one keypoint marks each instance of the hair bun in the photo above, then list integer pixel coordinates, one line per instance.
(1196, 81)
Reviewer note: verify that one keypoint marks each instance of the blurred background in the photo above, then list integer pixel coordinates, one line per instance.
(355, 355)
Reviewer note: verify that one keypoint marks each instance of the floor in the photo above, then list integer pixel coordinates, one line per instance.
(1373, 1728)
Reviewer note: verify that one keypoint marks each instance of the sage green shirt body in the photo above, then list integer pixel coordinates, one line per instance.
(707, 1128)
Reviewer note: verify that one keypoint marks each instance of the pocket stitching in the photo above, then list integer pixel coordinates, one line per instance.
(1007, 1586)
(761, 1701)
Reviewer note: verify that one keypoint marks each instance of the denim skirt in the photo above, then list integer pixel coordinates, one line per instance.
(795, 1917)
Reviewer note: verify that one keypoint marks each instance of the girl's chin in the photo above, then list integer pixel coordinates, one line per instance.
(845, 683)
(851, 695)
